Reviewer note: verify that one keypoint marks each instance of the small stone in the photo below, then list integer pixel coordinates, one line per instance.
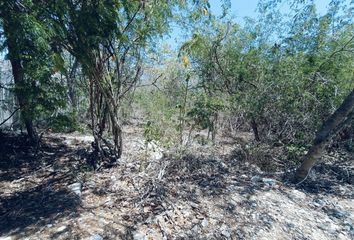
(270, 182)
(76, 188)
(328, 227)
(256, 179)
(225, 231)
(195, 221)
(195, 229)
(342, 190)
(90, 184)
(7, 238)
(194, 205)
(139, 236)
(341, 236)
(319, 203)
(147, 209)
(96, 237)
(297, 195)
(349, 226)
(205, 223)
(332, 228)
(253, 203)
(338, 213)
(61, 229)
(290, 225)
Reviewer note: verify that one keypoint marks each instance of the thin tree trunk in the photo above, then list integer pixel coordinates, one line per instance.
(117, 135)
(71, 86)
(329, 129)
(103, 120)
(182, 112)
(214, 127)
(22, 100)
(112, 108)
(255, 129)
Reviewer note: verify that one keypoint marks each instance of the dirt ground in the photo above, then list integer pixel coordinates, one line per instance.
(204, 192)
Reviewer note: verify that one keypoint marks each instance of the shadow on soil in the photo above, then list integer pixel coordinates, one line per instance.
(36, 206)
(330, 179)
(192, 178)
(26, 199)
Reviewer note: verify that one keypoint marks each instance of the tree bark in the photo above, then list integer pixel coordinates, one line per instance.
(329, 129)
(214, 127)
(18, 72)
(20, 84)
(254, 126)
(70, 78)
(110, 109)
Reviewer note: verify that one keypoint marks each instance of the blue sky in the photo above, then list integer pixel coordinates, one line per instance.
(239, 10)
(247, 8)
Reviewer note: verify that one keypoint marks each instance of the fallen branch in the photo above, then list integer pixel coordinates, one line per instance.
(13, 113)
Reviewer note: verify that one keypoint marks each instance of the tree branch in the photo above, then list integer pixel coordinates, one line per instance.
(13, 113)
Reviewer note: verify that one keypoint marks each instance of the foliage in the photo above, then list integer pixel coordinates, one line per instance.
(204, 109)
(151, 132)
(64, 123)
(28, 38)
(288, 86)
(101, 63)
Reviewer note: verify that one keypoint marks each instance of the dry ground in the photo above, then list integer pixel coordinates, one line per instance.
(204, 192)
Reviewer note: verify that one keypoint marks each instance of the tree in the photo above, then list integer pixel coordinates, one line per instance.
(336, 122)
(27, 40)
(109, 39)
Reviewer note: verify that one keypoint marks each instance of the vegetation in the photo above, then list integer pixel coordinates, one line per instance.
(101, 64)
(237, 130)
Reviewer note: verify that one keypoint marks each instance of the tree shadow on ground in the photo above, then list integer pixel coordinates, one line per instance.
(191, 179)
(330, 179)
(19, 157)
(214, 177)
(36, 206)
(33, 192)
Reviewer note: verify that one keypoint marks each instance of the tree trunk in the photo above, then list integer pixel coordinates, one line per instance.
(329, 129)
(113, 113)
(108, 108)
(117, 135)
(18, 74)
(254, 126)
(103, 121)
(70, 78)
(22, 99)
(96, 144)
(214, 127)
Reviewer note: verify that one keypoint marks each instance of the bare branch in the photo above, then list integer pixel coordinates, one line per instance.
(13, 113)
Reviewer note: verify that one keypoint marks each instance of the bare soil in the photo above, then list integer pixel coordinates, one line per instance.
(202, 192)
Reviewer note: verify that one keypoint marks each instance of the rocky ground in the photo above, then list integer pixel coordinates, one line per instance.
(204, 192)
